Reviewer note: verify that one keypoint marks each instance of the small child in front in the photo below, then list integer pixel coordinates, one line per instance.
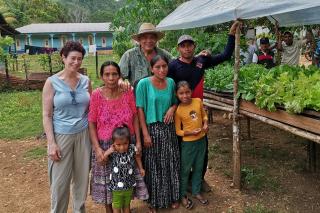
(124, 159)
(191, 123)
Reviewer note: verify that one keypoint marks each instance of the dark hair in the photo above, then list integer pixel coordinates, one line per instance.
(156, 58)
(72, 46)
(121, 132)
(264, 41)
(109, 63)
(287, 33)
(182, 84)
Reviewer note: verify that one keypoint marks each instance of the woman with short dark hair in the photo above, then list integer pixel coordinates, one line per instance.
(65, 100)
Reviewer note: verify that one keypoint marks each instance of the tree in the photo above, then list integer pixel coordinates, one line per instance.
(5, 42)
(128, 19)
(36, 11)
(5, 12)
(91, 10)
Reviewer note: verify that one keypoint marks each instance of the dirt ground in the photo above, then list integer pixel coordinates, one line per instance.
(280, 181)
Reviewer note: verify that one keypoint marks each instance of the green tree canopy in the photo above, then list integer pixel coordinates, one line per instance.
(35, 11)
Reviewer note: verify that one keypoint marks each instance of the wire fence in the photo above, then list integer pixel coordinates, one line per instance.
(25, 70)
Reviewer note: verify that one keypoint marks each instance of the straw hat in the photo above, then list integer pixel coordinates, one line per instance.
(147, 28)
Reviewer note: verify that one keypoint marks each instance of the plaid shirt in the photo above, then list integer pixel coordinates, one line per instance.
(134, 65)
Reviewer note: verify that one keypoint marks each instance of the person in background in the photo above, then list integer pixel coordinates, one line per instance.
(191, 123)
(135, 62)
(110, 106)
(65, 100)
(290, 48)
(317, 55)
(252, 48)
(265, 55)
(124, 158)
(191, 68)
(156, 102)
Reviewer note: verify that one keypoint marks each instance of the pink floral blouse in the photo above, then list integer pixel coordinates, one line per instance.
(109, 114)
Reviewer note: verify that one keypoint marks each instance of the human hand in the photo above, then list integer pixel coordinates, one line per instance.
(54, 152)
(205, 127)
(107, 153)
(233, 28)
(124, 84)
(147, 141)
(110, 150)
(205, 53)
(196, 131)
(99, 155)
(168, 118)
(142, 172)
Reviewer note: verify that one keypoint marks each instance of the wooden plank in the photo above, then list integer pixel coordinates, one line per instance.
(302, 122)
(311, 113)
(286, 127)
(218, 98)
(219, 107)
(216, 102)
(221, 94)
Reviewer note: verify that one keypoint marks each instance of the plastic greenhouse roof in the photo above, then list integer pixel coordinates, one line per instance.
(198, 13)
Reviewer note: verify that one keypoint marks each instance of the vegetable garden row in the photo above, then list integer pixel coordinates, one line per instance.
(286, 97)
(293, 88)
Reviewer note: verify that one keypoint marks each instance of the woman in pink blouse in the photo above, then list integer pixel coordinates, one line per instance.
(111, 107)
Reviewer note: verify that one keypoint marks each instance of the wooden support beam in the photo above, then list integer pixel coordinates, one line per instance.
(228, 109)
(294, 130)
(302, 122)
(235, 123)
(218, 98)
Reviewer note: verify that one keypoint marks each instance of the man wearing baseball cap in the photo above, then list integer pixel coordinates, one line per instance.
(191, 68)
(264, 56)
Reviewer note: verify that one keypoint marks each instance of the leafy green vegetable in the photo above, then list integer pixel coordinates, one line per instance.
(295, 88)
(220, 78)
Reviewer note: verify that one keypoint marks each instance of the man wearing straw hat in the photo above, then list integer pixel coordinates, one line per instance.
(134, 63)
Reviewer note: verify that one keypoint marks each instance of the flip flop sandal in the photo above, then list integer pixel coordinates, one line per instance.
(189, 204)
(203, 202)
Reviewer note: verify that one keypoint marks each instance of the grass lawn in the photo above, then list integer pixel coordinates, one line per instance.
(20, 114)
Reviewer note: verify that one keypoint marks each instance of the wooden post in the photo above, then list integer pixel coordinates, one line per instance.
(97, 64)
(50, 64)
(235, 124)
(278, 38)
(25, 68)
(16, 59)
(6, 69)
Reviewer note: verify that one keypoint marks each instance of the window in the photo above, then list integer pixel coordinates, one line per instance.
(104, 41)
(46, 43)
(90, 40)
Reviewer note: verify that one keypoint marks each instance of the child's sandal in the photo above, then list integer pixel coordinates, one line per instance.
(202, 200)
